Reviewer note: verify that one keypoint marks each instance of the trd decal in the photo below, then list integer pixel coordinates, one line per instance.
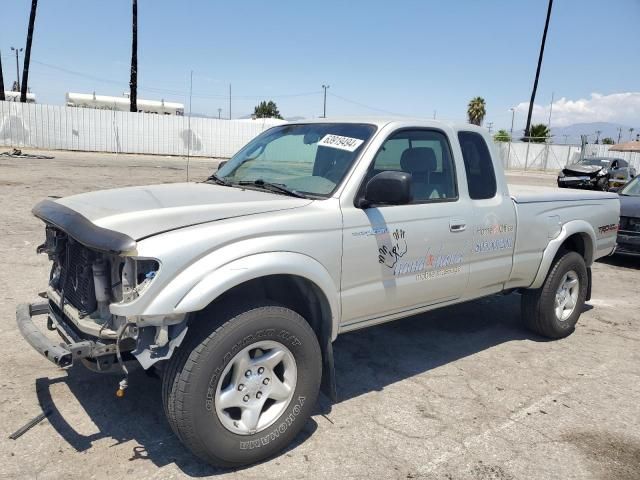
(389, 254)
(608, 228)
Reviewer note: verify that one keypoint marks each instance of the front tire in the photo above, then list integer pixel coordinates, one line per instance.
(553, 310)
(240, 394)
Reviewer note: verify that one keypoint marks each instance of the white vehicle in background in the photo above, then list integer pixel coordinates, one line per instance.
(122, 104)
(235, 288)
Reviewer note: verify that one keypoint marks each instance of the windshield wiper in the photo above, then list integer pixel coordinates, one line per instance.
(219, 180)
(274, 187)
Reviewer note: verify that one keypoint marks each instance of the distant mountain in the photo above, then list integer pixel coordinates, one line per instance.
(571, 133)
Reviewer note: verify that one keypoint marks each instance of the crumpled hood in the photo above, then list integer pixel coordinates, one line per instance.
(140, 212)
(578, 168)
(629, 206)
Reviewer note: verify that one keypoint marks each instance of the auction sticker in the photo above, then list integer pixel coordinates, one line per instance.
(343, 143)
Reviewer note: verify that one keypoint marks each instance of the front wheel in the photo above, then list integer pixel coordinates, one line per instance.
(554, 309)
(241, 393)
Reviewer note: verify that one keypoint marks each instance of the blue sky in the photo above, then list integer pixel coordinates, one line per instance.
(406, 57)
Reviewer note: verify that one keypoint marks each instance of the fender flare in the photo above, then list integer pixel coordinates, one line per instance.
(568, 229)
(251, 267)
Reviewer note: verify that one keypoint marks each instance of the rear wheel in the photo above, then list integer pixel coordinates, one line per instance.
(241, 393)
(554, 309)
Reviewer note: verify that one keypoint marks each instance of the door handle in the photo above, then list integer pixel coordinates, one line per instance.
(457, 227)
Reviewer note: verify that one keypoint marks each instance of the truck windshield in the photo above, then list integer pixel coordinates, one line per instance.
(310, 159)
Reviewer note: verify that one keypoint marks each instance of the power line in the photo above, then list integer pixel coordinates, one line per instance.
(348, 100)
(171, 91)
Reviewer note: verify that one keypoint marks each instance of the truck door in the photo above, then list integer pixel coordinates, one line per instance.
(493, 229)
(402, 257)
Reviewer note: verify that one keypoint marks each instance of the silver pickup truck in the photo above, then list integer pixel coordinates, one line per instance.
(233, 289)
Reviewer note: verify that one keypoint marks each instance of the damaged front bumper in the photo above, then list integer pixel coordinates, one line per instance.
(63, 353)
(150, 339)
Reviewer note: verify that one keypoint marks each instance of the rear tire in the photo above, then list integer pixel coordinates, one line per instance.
(240, 394)
(553, 310)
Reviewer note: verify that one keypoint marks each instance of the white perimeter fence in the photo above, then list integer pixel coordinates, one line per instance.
(54, 127)
(541, 156)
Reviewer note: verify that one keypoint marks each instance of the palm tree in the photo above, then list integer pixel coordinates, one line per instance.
(476, 111)
(27, 52)
(133, 83)
(539, 133)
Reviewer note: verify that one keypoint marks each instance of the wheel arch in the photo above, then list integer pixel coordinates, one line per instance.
(291, 279)
(576, 236)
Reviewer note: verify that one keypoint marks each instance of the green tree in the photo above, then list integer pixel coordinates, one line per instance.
(502, 136)
(539, 134)
(608, 141)
(267, 110)
(476, 110)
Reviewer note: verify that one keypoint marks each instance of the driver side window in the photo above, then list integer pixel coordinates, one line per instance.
(426, 155)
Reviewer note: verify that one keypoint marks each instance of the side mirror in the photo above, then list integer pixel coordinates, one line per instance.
(387, 188)
(614, 189)
(222, 164)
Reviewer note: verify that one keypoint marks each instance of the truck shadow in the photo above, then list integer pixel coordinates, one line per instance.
(623, 261)
(366, 360)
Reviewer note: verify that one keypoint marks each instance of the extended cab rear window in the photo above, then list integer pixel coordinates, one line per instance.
(481, 177)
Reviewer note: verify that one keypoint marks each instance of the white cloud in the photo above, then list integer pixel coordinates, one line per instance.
(623, 108)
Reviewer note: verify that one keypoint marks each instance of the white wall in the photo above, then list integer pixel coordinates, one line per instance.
(539, 156)
(69, 128)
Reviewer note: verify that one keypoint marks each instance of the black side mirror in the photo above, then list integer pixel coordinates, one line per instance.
(387, 188)
(222, 164)
(614, 189)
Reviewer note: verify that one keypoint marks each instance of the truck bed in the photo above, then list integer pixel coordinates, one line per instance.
(534, 193)
(546, 213)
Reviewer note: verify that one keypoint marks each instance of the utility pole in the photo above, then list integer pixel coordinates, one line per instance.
(219, 113)
(619, 134)
(527, 129)
(133, 82)
(229, 101)
(324, 108)
(631, 133)
(17, 65)
(489, 126)
(434, 114)
(189, 124)
(27, 53)
(565, 138)
(598, 132)
(550, 112)
(513, 114)
(1, 81)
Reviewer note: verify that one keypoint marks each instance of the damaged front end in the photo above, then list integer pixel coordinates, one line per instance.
(89, 273)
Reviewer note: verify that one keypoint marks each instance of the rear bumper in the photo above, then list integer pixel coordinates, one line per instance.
(63, 353)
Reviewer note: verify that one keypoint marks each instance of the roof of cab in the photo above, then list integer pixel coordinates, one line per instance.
(381, 121)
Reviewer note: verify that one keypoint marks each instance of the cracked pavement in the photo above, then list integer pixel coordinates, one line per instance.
(460, 393)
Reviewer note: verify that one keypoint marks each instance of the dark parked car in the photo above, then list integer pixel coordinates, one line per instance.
(629, 230)
(598, 173)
